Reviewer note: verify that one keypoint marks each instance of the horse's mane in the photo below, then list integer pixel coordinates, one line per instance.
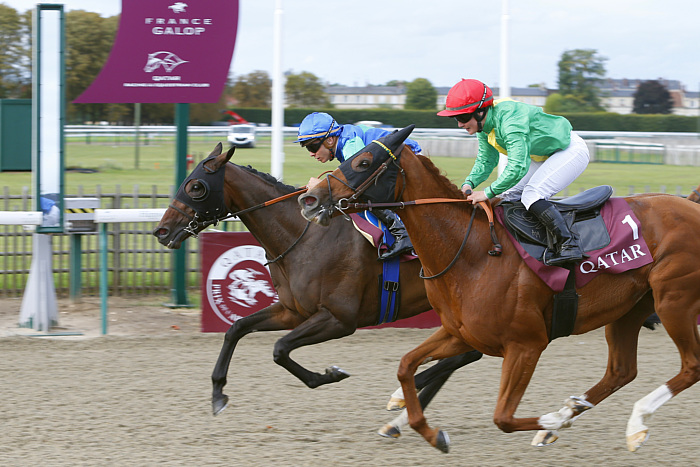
(440, 175)
(268, 178)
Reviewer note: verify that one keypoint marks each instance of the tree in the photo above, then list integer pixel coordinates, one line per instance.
(252, 90)
(421, 95)
(305, 90)
(557, 103)
(580, 72)
(396, 82)
(652, 97)
(14, 40)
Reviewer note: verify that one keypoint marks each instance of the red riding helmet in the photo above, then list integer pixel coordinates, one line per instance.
(467, 96)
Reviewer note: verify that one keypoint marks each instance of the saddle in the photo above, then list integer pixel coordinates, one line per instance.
(581, 213)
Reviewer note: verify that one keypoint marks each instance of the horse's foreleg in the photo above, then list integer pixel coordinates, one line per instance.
(428, 382)
(443, 368)
(273, 318)
(439, 345)
(320, 327)
(622, 338)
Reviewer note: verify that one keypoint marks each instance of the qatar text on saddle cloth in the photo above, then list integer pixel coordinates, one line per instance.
(627, 249)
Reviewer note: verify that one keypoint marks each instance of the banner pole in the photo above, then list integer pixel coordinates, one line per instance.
(179, 267)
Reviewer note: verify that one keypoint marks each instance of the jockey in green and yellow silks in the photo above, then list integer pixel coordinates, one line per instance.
(544, 156)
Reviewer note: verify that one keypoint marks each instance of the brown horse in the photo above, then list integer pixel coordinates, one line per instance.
(326, 279)
(497, 305)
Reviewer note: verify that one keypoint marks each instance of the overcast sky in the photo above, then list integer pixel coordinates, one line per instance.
(374, 41)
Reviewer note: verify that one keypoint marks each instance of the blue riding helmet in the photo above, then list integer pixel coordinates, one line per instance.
(317, 125)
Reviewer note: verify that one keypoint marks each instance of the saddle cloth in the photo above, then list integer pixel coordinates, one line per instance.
(626, 250)
(375, 232)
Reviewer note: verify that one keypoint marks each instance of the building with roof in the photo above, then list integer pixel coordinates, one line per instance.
(617, 96)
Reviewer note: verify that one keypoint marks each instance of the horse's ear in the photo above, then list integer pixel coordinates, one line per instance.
(230, 153)
(217, 150)
(394, 140)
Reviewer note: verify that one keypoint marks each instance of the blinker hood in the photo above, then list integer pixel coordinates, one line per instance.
(210, 206)
(386, 147)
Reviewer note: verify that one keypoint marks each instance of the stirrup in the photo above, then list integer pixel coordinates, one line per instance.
(392, 252)
(555, 259)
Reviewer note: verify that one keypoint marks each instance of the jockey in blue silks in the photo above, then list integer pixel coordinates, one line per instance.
(326, 140)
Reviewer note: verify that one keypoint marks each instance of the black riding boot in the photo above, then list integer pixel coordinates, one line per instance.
(402, 244)
(567, 250)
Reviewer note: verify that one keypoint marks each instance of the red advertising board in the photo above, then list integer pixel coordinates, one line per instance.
(235, 282)
(168, 51)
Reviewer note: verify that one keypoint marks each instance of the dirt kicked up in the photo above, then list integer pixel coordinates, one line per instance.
(141, 396)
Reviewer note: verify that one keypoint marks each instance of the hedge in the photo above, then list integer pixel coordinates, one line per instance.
(599, 121)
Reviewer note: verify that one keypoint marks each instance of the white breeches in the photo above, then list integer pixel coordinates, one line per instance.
(547, 178)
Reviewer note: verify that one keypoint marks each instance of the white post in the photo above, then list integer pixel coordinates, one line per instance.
(504, 86)
(39, 306)
(277, 161)
(39, 309)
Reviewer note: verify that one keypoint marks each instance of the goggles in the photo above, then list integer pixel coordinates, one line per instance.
(316, 145)
(464, 118)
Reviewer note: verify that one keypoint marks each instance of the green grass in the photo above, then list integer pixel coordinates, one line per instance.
(115, 165)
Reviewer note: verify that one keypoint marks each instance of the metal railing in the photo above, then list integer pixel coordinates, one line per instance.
(138, 264)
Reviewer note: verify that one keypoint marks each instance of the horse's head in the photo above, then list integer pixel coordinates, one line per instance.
(370, 174)
(199, 201)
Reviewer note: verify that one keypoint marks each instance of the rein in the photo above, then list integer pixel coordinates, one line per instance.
(197, 224)
(344, 204)
(459, 252)
(265, 204)
(290, 247)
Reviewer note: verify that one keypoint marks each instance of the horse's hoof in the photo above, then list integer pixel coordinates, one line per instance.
(389, 431)
(544, 438)
(337, 373)
(219, 404)
(636, 440)
(443, 441)
(395, 404)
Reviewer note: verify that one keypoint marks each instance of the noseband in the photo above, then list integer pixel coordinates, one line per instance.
(344, 203)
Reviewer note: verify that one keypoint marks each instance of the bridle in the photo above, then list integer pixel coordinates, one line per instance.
(199, 222)
(205, 216)
(349, 203)
(340, 206)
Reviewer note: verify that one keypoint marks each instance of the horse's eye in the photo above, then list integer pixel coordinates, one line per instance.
(198, 190)
(363, 165)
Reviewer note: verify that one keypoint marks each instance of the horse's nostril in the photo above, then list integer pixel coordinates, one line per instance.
(160, 232)
(309, 200)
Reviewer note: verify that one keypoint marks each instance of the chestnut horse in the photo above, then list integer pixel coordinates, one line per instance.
(497, 305)
(326, 279)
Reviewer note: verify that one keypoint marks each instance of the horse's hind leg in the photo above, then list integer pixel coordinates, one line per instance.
(622, 338)
(320, 327)
(273, 318)
(681, 324)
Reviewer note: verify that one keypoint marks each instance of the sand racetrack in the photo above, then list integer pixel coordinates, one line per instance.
(141, 396)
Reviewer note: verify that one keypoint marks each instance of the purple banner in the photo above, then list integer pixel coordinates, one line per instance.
(168, 51)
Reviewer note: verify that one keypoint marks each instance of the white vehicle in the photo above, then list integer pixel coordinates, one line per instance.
(242, 135)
